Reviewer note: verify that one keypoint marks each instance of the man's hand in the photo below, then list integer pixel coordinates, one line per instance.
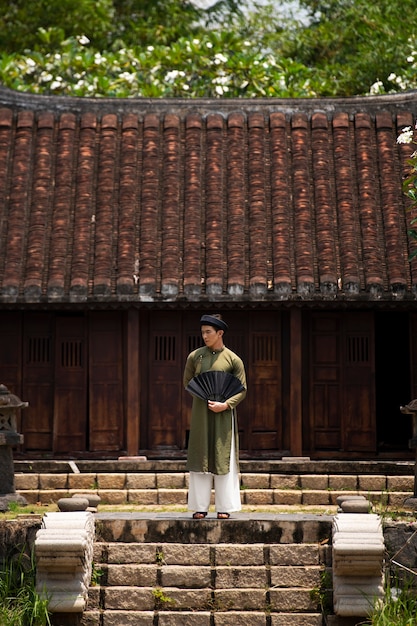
(217, 407)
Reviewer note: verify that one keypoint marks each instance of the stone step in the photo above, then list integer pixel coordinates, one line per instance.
(171, 488)
(166, 569)
(200, 618)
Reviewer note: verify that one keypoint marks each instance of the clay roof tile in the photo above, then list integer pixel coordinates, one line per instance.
(164, 200)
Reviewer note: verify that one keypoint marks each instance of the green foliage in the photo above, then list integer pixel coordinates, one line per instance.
(171, 48)
(161, 599)
(360, 43)
(321, 596)
(399, 607)
(96, 575)
(43, 24)
(410, 186)
(20, 604)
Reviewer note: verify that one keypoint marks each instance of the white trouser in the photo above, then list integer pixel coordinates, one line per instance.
(226, 488)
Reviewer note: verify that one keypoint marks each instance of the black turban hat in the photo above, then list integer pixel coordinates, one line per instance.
(210, 320)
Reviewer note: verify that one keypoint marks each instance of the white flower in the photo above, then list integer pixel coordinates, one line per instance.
(30, 62)
(173, 74)
(45, 77)
(401, 83)
(98, 58)
(150, 48)
(83, 40)
(406, 135)
(221, 80)
(395, 593)
(128, 76)
(376, 88)
(220, 58)
(209, 44)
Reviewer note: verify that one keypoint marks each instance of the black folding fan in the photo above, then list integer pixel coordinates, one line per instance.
(214, 385)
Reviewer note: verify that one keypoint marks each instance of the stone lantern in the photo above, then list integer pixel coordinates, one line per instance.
(411, 409)
(9, 437)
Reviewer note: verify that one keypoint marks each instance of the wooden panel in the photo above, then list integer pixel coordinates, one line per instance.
(164, 358)
(342, 393)
(106, 398)
(256, 338)
(359, 383)
(38, 381)
(295, 410)
(11, 358)
(327, 411)
(11, 351)
(70, 401)
(133, 382)
(325, 408)
(413, 356)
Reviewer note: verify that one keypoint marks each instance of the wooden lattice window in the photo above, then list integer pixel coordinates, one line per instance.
(194, 342)
(265, 348)
(357, 349)
(72, 353)
(38, 350)
(164, 347)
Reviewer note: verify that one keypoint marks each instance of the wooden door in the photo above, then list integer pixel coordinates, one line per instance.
(11, 351)
(161, 367)
(341, 407)
(38, 381)
(70, 397)
(256, 338)
(413, 356)
(11, 357)
(106, 398)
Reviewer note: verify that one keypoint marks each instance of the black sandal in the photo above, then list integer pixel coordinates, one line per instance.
(223, 515)
(199, 515)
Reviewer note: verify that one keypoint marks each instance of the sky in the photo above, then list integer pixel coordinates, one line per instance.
(283, 4)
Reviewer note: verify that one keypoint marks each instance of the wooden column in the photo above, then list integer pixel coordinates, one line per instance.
(296, 421)
(132, 383)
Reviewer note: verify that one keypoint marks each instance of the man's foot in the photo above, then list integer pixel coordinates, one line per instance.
(223, 515)
(199, 515)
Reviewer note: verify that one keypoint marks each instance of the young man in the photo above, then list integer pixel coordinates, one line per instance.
(213, 449)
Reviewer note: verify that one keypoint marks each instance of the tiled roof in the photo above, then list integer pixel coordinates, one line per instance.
(167, 200)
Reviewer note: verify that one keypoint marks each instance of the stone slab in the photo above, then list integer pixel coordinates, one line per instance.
(128, 618)
(168, 527)
(239, 554)
(229, 577)
(234, 618)
(184, 618)
(298, 619)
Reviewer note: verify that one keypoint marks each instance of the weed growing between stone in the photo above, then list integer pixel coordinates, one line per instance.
(161, 599)
(20, 604)
(398, 607)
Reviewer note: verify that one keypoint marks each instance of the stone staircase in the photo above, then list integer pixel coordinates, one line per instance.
(268, 565)
(165, 569)
(288, 484)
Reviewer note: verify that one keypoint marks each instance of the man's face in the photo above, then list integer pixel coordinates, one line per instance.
(212, 337)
